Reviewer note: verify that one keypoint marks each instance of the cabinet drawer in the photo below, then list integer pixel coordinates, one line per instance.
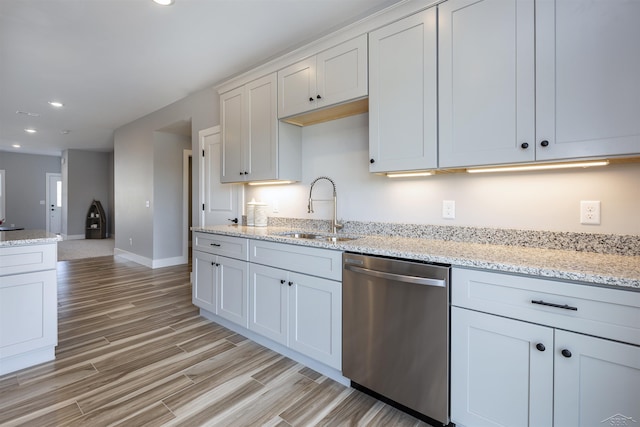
(603, 312)
(314, 261)
(25, 259)
(232, 247)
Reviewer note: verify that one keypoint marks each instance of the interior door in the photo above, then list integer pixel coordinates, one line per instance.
(54, 203)
(219, 202)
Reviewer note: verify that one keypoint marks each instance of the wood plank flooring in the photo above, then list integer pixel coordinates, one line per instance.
(133, 351)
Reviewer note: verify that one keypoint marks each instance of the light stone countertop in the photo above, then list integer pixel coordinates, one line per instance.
(27, 237)
(587, 267)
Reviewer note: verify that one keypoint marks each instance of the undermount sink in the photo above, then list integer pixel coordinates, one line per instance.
(325, 237)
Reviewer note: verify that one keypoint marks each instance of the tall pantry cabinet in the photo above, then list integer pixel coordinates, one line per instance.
(523, 81)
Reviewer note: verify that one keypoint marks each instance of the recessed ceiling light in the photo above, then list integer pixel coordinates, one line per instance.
(56, 104)
(164, 2)
(16, 145)
(27, 113)
(65, 131)
(30, 130)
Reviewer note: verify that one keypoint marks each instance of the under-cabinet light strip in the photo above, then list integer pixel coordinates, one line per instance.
(408, 174)
(539, 167)
(270, 182)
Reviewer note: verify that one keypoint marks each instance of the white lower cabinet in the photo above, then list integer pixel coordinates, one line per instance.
(221, 283)
(513, 363)
(496, 368)
(28, 306)
(297, 310)
(221, 286)
(596, 383)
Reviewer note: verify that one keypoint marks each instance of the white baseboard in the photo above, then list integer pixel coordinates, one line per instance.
(148, 262)
(168, 262)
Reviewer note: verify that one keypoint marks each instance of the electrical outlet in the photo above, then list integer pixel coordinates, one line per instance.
(590, 212)
(448, 209)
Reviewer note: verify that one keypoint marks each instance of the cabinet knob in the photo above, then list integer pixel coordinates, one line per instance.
(319, 97)
(290, 283)
(524, 145)
(246, 173)
(566, 353)
(372, 161)
(311, 99)
(282, 281)
(540, 347)
(234, 220)
(217, 265)
(544, 143)
(213, 263)
(241, 173)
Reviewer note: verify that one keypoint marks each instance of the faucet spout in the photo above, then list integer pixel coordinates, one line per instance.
(335, 226)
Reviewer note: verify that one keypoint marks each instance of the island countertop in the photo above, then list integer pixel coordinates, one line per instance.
(27, 237)
(587, 267)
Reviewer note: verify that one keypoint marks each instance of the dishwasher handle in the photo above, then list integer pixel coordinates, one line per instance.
(398, 277)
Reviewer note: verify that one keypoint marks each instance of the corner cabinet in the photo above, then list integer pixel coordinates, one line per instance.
(403, 95)
(533, 352)
(331, 77)
(524, 81)
(255, 145)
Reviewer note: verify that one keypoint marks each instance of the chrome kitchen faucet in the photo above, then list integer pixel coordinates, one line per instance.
(334, 225)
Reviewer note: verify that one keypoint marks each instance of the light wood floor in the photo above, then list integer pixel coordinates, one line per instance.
(133, 351)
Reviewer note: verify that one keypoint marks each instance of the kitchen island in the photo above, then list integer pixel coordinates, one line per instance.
(28, 298)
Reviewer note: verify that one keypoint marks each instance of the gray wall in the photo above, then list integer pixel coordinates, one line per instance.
(134, 177)
(26, 186)
(87, 176)
(167, 194)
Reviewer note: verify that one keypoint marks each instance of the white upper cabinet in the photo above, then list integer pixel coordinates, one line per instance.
(545, 80)
(403, 94)
(487, 82)
(256, 147)
(331, 77)
(587, 78)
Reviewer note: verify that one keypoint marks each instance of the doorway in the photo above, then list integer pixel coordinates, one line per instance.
(54, 203)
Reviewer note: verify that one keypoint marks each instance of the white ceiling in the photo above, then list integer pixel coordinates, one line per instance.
(113, 61)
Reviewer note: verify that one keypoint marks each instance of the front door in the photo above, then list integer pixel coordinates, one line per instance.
(54, 203)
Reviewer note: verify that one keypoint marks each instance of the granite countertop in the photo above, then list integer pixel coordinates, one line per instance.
(27, 237)
(587, 267)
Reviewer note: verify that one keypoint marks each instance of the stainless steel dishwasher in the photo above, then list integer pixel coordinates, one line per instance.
(395, 331)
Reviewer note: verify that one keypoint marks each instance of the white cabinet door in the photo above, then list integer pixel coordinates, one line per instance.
(342, 72)
(487, 78)
(233, 135)
(233, 289)
(403, 95)
(268, 291)
(498, 375)
(588, 78)
(297, 88)
(260, 155)
(28, 315)
(204, 281)
(596, 383)
(315, 318)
